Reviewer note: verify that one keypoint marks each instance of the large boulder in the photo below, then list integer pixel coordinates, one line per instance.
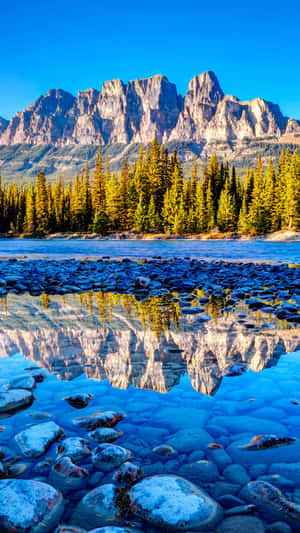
(29, 506)
(171, 502)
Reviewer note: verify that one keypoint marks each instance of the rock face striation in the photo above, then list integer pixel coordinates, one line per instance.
(137, 111)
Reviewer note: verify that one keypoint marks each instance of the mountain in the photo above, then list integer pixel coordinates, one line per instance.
(121, 116)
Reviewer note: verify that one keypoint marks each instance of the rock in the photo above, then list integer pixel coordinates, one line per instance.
(69, 529)
(97, 508)
(101, 419)
(172, 502)
(26, 382)
(236, 474)
(101, 435)
(106, 457)
(287, 470)
(271, 500)
(142, 282)
(200, 471)
(36, 440)
(165, 450)
(242, 524)
(241, 509)
(14, 399)
(278, 527)
(73, 447)
(128, 474)
(266, 442)
(219, 457)
(67, 477)
(228, 501)
(29, 506)
(186, 441)
(80, 400)
(115, 529)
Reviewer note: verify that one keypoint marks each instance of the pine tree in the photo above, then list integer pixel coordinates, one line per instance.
(98, 187)
(41, 203)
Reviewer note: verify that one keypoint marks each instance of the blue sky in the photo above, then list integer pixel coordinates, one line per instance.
(253, 48)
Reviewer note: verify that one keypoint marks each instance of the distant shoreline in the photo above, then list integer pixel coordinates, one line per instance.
(278, 236)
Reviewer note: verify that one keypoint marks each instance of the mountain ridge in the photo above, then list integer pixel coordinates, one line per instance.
(123, 115)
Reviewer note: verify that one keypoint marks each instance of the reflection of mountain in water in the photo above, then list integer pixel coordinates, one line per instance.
(71, 340)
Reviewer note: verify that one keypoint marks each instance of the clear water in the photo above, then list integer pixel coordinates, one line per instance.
(288, 252)
(164, 369)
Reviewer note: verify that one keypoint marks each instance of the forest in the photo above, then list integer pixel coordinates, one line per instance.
(151, 195)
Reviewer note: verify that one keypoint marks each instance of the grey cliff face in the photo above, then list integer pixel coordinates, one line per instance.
(3, 124)
(141, 109)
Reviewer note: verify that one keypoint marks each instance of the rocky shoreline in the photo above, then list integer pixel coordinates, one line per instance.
(278, 236)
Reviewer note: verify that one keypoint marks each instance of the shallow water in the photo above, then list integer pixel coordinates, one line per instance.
(288, 252)
(167, 372)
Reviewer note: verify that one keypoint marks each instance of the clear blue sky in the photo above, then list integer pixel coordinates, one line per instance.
(253, 47)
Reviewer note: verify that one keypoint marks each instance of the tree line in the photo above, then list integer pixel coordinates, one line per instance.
(152, 195)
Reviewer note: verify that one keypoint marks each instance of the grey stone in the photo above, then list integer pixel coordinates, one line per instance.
(241, 524)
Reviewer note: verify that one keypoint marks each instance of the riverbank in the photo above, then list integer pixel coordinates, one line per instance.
(278, 236)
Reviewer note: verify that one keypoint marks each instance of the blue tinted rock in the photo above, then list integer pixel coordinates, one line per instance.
(172, 502)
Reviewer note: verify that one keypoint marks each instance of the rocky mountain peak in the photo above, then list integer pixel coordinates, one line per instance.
(205, 88)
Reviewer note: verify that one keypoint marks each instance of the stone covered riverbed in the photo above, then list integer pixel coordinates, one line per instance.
(149, 396)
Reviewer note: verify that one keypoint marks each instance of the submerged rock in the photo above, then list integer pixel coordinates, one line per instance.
(271, 499)
(106, 457)
(266, 442)
(174, 503)
(66, 476)
(22, 382)
(75, 448)
(14, 399)
(241, 524)
(165, 450)
(128, 474)
(29, 506)
(69, 529)
(101, 419)
(101, 435)
(97, 508)
(80, 400)
(36, 440)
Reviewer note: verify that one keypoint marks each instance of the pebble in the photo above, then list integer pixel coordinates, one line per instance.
(80, 400)
(101, 435)
(97, 508)
(14, 399)
(100, 419)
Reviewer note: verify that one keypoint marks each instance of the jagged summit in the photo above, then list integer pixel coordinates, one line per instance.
(122, 114)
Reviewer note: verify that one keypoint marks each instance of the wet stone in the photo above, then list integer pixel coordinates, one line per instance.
(97, 508)
(165, 450)
(242, 524)
(67, 477)
(101, 435)
(14, 399)
(36, 440)
(79, 401)
(127, 474)
(26, 382)
(29, 506)
(107, 457)
(73, 447)
(278, 527)
(101, 419)
(172, 502)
